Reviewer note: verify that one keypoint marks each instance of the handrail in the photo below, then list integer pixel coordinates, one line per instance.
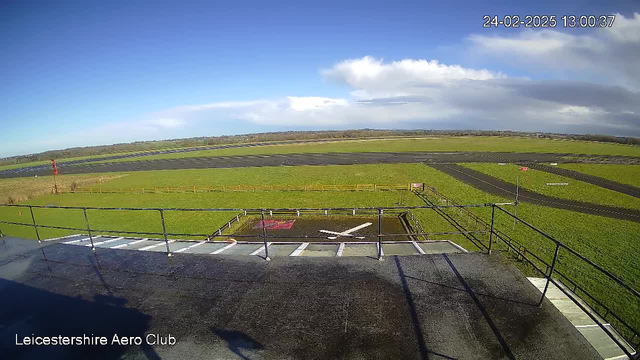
(632, 333)
(258, 210)
(562, 245)
(559, 245)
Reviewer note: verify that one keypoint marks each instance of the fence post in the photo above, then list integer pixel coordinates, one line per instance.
(493, 214)
(264, 237)
(553, 265)
(164, 231)
(379, 234)
(34, 225)
(86, 221)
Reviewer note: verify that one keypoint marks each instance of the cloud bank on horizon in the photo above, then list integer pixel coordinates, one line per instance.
(566, 81)
(421, 92)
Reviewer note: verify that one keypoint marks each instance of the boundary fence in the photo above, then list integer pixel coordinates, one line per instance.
(221, 188)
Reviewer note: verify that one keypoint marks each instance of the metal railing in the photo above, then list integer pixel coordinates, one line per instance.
(375, 211)
(629, 333)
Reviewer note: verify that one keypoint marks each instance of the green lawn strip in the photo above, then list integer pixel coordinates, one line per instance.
(62, 160)
(476, 143)
(279, 175)
(537, 181)
(626, 174)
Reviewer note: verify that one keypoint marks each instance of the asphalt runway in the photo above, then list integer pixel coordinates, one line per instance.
(496, 186)
(294, 160)
(591, 179)
(177, 151)
(446, 306)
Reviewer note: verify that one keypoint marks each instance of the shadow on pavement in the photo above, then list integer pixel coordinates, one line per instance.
(29, 311)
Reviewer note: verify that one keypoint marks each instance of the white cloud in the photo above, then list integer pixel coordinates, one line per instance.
(612, 52)
(427, 93)
(369, 75)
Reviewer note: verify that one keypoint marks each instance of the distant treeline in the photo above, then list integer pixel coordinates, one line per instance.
(291, 135)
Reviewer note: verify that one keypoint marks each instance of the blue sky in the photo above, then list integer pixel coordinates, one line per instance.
(89, 73)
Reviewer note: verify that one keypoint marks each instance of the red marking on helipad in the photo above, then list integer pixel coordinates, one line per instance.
(275, 224)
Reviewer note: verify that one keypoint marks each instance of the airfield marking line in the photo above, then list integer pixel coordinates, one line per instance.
(299, 250)
(418, 248)
(106, 241)
(260, 249)
(127, 244)
(75, 241)
(156, 245)
(190, 247)
(340, 249)
(224, 248)
(62, 237)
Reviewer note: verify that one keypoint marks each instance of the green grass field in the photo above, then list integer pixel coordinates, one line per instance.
(490, 144)
(536, 180)
(281, 175)
(626, 174)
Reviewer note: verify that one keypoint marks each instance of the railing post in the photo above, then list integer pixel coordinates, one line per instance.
(34, 225)
(264, 237)
(164, 231)
(379, 234)
(553, 265)
(86, 221)
(493, 215)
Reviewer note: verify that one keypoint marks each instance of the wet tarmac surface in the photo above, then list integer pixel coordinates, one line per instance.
(496, 186)
(455, 306)
(297, 159)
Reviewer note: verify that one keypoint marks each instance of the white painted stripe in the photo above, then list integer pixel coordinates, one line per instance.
(418, 248)
(340, 249)
(190, 247)
(128, 244)
(156, 245)
(299, 250)
(63, 237)
(591, 325)
(381, 249)
(105, 242)
(260, 249)
(75, 241)
(224, 248)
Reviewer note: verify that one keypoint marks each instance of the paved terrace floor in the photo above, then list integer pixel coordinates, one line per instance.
(446, 306)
